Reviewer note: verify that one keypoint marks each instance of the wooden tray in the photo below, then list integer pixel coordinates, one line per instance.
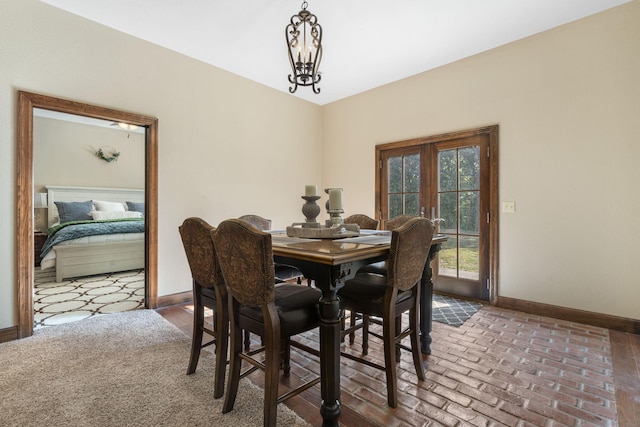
(336, 232)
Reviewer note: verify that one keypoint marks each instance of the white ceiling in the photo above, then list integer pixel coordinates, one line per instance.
(366, 43)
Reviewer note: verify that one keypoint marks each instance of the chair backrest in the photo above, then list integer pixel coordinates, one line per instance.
(257, 221)
(410, 244)
(246, 260)
(363, 221)
(201, 254)
(393, 223)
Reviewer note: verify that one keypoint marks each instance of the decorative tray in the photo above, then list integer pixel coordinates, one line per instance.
(339, 231)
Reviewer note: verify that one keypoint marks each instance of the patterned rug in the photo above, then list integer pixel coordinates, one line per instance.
(453, 311)
(82, 297)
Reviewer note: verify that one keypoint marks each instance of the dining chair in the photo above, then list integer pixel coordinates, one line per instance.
(284, 272)
(209, 291)
(256, 304)
(363, 221)
(367, 223)
(379, 267)
(389, 296)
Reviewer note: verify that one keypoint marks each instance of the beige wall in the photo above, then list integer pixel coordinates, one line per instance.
(227, 146)
(567, 103)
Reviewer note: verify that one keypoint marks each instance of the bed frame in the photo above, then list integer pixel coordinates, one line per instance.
(97, 258)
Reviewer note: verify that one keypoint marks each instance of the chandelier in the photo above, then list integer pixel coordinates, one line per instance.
(304, 40)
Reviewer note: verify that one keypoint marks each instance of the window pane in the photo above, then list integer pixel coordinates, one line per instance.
(469, 253)
(394, 165)
(448, 258)
(412, 173)
(469, 164)
(447, 168)
(469, 212)
(395, 205)
(411, 202)
(449, 212)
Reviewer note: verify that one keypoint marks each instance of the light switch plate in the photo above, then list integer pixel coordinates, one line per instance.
(508, 207)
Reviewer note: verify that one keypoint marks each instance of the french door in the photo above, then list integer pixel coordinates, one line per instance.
(451, 178)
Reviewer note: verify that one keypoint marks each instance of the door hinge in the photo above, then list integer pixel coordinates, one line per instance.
(487, 284)
(488, 217)
(380, 165)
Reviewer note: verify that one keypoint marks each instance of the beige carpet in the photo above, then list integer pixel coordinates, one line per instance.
(121, 369)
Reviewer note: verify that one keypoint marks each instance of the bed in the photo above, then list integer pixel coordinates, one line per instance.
(110, 239)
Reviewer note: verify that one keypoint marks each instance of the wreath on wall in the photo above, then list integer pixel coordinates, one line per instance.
(109, 157)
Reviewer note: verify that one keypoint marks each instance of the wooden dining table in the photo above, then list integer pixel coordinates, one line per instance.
(329, 263)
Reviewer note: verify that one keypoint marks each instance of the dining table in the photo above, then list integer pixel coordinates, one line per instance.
(329, 263)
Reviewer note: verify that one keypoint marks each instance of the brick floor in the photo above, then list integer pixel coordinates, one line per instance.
(500, 368)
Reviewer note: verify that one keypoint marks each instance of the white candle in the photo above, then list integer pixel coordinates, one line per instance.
(310, 190)
(335, 198)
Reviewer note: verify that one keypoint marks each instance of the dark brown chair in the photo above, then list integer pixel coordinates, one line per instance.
(257, 221)
(375, 268)
(284, 272)
(388, 297)
(363, 221)
(208, 291)
(389, 225)
(274, 312)
(367, 223)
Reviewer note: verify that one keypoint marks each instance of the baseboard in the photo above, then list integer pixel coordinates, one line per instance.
(617, 323)
(174, 299)
(8, 334)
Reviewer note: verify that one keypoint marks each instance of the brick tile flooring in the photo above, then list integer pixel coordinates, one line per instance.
(500, 368)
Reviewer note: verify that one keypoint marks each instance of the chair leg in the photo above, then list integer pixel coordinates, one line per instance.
(398, 332)
(247, 341)
(414, 321)
(272, 367)
(388, 332)
(198, 323)
(365, 334)
(235, 362)
(286, 357)
(352, 322)
(221, 317)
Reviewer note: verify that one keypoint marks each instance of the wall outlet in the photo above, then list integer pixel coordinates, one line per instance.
(508, 207)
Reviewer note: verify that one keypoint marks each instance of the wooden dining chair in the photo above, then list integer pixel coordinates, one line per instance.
(363, 221)
(389, 296)
(209, 291)
(379, 267)
(284, 272)
(274, 312)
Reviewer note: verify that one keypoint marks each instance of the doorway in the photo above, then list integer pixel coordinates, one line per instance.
(24, 203)
(453, 179)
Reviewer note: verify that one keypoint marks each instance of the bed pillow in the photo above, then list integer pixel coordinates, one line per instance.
(136, 207)
(98, 215)
(108, 206)
(74, 211)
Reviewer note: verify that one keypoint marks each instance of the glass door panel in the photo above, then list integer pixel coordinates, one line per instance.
(459, 206)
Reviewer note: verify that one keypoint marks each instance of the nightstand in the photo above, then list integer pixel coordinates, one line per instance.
(39, 238)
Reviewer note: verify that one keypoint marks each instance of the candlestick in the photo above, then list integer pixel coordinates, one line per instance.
(311, 210)
(310, 190)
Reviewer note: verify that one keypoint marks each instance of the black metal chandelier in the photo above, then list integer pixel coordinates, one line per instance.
(304, 40)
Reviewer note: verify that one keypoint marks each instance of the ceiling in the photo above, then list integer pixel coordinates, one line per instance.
(366, 43)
